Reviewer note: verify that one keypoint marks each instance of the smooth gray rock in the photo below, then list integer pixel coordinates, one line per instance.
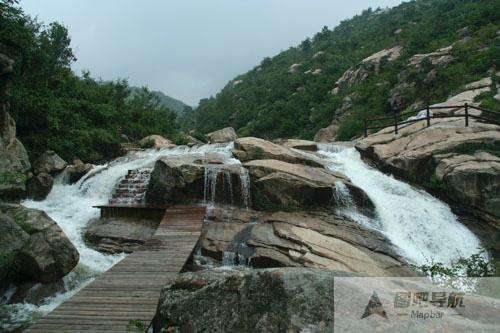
(116, 235)
(238, 300)
(49, 162)
(47, 255)
(39, 186)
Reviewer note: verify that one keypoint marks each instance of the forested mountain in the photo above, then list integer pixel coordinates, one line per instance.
(56, 109)
(344, 75)
(364, 67)
(171, 103)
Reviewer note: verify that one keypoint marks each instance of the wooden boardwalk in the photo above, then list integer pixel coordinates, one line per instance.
(130, 289)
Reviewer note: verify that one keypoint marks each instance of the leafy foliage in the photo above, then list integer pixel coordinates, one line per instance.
(474, 266)
(271, 100)
(58, 110)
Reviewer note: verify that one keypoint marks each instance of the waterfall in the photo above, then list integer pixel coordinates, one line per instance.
(236, 255)
(421, 226)
(228, 258)
(218, 186)
(245, 187)
(342, 195)
(71, 206)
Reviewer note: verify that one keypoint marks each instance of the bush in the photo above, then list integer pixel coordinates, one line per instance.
(474, 266)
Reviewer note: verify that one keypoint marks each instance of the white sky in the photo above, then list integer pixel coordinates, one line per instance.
(189, 49)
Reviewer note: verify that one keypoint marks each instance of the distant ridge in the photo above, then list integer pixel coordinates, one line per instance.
(172, 103)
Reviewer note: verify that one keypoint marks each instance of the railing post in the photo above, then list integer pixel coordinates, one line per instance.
(395, 122)
(365, 127)
(466, 115)
(428, 116)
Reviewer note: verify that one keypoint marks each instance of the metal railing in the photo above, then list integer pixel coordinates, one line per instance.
(397, 117)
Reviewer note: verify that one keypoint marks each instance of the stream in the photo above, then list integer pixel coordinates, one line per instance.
(421, 226)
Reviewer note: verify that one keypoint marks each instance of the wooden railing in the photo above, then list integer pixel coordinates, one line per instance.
(486, 116)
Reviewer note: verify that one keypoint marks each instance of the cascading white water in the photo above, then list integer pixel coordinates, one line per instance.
(245, 187)
(71, 206)
(421, 226)
(211, 177)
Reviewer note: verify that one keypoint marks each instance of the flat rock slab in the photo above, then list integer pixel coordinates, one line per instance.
(119, 234)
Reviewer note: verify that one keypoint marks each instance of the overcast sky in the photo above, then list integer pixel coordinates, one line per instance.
(189, 49)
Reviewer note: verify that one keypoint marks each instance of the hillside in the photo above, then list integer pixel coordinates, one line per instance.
(364, 67)
(55, 109)
(169, 102)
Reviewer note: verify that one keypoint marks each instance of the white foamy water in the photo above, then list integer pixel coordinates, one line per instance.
(421, 226)
(71, 206)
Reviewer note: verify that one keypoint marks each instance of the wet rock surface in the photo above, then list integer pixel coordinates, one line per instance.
(461, 162)
(300, 240)
(39, 186)
(182, 179)
(300, 144)
(77, 170)
(280, 185)
(120, 234)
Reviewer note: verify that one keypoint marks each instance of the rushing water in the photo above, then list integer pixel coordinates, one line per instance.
(421, 226)
(71, 206)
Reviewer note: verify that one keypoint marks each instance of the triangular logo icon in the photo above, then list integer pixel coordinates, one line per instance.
(374, 307)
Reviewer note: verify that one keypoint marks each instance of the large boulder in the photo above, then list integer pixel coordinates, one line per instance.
(49, 162)
(444, 158)
(270, 300)
(301, 144)
(190, 178)
(39, 186)
(474, 179)
(247, 149)
(278, 185)
(223, 135)
(46, 254)
(36, 293)
(156, 141)
(314, 300)
(77, 170)
(14, 161)
(300, 239)
(192, 141)
(119, 234)
(12, 239)
(327, 134)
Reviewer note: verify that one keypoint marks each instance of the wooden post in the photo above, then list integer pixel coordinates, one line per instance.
(466, 115)
(395, 122)
(428, 116)
(365, 127)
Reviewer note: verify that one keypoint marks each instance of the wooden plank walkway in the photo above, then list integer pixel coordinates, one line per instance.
(130, 289)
